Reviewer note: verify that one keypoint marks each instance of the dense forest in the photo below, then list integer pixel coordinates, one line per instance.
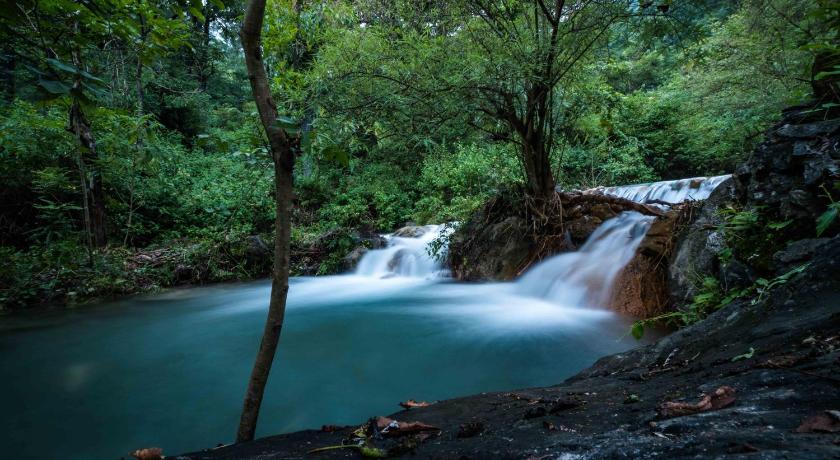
(132, 156)
(638, 199)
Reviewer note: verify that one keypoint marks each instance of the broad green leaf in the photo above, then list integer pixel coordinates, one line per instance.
(55, 86)
(56, 64)
(827, 218)
(286, 122)
(196, 12)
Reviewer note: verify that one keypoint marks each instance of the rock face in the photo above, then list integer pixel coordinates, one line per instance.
(642, 288)
(785, 182)
(504, 238)
(698, 246)
(787, 171)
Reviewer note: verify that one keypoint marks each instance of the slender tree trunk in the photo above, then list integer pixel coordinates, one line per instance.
(141, 126)
(283, 155)
(86, 209)
(80, 127)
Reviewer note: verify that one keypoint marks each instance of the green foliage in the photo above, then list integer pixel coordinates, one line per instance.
(455, 182)
(711, 297)
(830, 215)
(754, 235)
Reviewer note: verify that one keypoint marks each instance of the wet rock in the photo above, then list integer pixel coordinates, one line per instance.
(505, 248)
(470, 429)
(352, 259)
(736, 274)
(697, 247)
(808, 130)
(412, 231)
(257, 250)
(797, 253)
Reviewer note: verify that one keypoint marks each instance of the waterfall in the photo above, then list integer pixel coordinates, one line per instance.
(670, 191)
(583, 278)
(407, 254)
(574, 279)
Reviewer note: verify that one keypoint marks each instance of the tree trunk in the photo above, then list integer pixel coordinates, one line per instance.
(535, 158)
(94, 191)
(80, 127)
(283, 155)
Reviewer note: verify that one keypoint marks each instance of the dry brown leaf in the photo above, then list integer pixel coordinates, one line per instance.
(781, 362)
(720, 398)
(149, 453)
(412, 404)
(391, 427)
(825, 422)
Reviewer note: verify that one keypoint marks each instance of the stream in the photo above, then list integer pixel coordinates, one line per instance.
(170, 370)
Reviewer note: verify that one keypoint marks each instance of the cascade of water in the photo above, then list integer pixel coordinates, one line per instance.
(405, 255)
(575, 279)
(583, 278)
(670, 191)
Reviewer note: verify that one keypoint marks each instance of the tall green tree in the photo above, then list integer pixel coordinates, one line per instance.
(282, 148)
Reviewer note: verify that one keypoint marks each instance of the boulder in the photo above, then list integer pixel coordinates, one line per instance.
(351, 260)
(410, 231)
(797, 253)
(697, 247)
(257, 250)
(503, 253)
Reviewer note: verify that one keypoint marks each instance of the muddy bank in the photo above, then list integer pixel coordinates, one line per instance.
(780, 355)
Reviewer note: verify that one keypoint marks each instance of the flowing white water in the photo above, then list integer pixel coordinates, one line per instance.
(583, 278)
(671, 191)
(408, 256)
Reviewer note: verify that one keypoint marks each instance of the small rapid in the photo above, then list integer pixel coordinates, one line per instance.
(584, 278)
(670, 191)
(407, 254)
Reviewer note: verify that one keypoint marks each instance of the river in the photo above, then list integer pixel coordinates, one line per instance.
(170, 370)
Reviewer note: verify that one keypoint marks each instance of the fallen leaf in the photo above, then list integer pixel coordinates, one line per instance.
(720, 398)
(391, 427)
(149, 453)
(825, 422)
(410, 404)
(780, 362)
